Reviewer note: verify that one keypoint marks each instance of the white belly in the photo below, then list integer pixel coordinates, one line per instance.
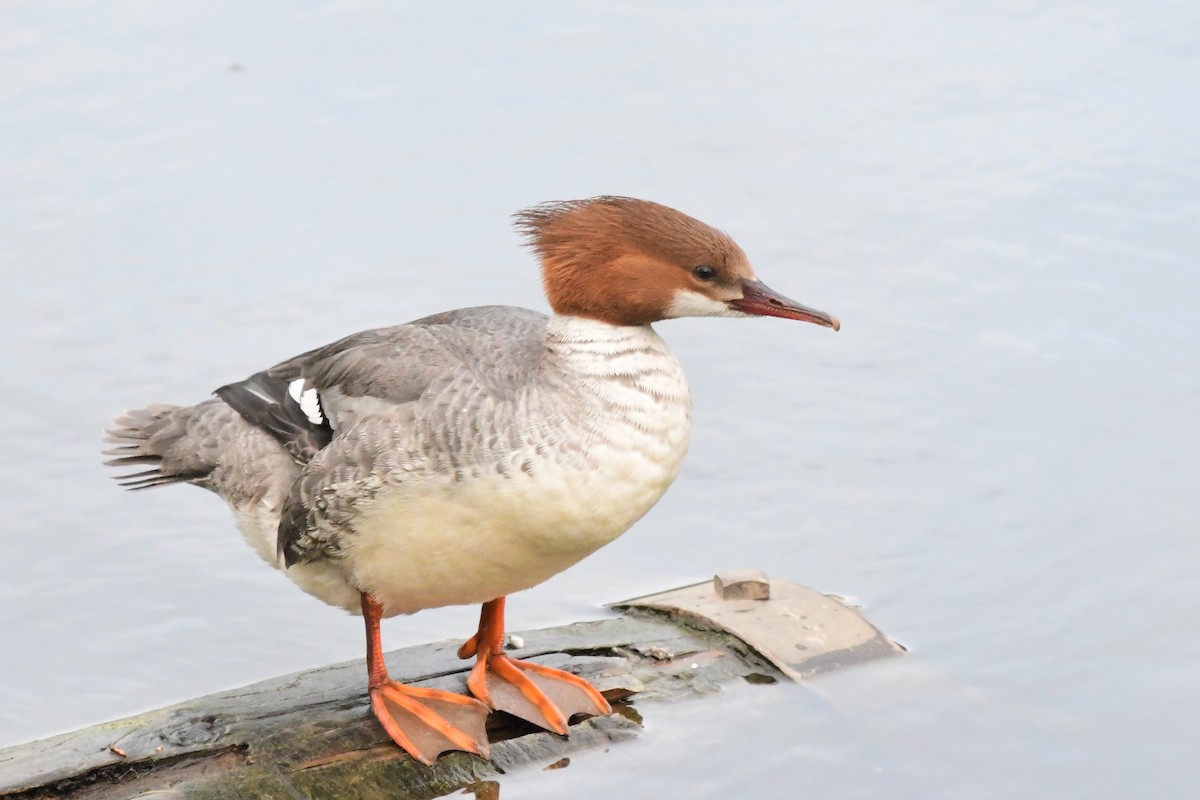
(469, 542)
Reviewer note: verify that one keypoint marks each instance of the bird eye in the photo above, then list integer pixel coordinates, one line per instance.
(704, 272)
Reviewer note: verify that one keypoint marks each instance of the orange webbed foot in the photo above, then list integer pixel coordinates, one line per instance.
(545, 696)
(424, 722)
(429, 722)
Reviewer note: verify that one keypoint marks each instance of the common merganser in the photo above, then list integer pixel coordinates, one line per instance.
(471, 454)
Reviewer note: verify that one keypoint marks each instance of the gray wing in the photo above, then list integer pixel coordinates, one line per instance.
(398, 365)
(394, 399)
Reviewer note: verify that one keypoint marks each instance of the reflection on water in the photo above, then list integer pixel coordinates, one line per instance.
(996, 454)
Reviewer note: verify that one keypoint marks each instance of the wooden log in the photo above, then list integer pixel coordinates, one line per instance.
(311, 735)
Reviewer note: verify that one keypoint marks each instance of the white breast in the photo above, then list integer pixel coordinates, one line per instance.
(601, 436)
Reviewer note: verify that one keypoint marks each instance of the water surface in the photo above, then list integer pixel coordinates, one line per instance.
(996, 456)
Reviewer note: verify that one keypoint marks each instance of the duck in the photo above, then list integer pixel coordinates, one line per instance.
(468, 455)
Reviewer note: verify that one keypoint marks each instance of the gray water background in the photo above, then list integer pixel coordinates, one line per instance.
(997, 456)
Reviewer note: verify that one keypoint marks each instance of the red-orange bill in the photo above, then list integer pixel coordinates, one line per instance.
(761, 300)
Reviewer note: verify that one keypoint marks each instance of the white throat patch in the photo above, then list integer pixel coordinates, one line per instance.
(687, 303)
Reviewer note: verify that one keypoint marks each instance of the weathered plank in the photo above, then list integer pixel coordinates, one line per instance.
(801, 631)
(311, 735)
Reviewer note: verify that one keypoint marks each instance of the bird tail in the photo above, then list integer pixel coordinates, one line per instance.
(160, 437)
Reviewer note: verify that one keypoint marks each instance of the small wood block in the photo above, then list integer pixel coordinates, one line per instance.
(742, 584)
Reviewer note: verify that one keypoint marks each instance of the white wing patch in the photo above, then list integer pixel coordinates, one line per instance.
(309, 402)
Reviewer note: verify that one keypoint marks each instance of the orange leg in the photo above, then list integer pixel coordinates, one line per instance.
(542, 695)
(425, 722)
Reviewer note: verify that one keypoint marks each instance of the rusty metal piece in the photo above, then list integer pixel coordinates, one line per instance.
(742, 584)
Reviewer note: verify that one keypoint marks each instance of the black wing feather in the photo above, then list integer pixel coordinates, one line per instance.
(264, 401)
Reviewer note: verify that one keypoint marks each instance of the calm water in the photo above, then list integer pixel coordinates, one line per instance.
(997, 456)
